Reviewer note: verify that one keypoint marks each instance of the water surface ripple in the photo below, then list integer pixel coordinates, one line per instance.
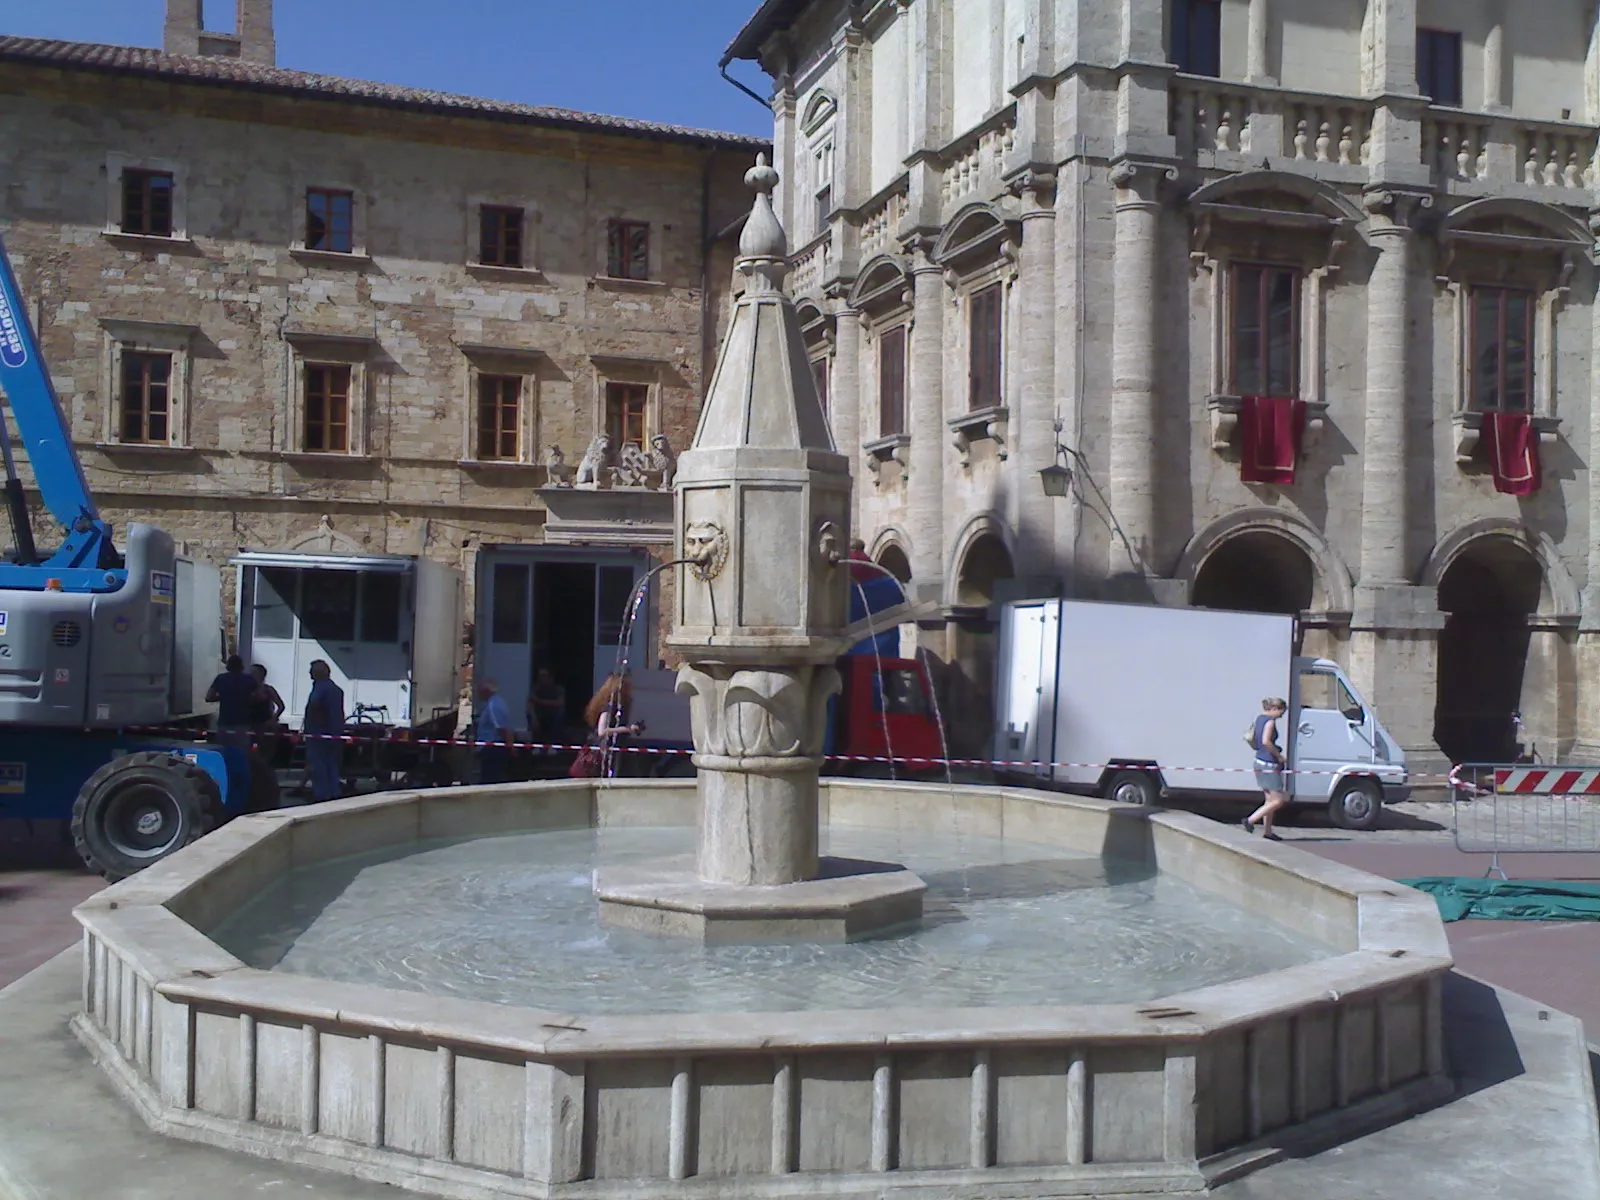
(513, 920)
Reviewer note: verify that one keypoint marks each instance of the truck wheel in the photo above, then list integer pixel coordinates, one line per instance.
(1356, 804)
(1133, 787)
(138, 809)
(263, 785)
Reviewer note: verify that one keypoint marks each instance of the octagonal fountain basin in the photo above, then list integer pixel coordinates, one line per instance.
(1098, 1001)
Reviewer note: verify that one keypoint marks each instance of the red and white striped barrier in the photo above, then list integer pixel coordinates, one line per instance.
(1547, 781)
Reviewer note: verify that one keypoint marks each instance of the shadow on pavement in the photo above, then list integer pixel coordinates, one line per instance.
(1479, 1048)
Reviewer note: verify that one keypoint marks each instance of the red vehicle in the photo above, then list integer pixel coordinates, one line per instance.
(884, 709)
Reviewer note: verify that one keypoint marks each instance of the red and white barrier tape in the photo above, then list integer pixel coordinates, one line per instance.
(404, 738)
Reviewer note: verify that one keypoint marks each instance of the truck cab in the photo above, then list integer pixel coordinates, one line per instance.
(1335, 738)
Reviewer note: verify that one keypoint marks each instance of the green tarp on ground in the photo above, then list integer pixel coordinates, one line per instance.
(1511, 900)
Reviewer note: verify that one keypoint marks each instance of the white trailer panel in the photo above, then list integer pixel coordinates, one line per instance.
(1173, 687)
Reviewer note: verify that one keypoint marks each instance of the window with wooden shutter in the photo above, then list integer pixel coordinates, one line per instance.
(1502, 349)
(330, 220)
(146, 398)
(1265, 334)
(499, 412)
(626, 408)
(628, 250)
(500, 236)
(327, 408)
(892, 381)
(147, 202)
(983, 350)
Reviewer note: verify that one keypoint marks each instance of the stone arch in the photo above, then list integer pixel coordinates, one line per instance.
(977, 232)
(325, 539)
(891, 549)
(1318, 197)
(982, 550)
(882, 283)
(1559, 597)
(1502, 214)
(819, 109)
(1332, 586)
(1506, 671)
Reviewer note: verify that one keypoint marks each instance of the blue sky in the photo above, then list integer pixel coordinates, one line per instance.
(655, 59)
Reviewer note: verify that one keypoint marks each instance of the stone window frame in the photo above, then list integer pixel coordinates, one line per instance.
(532, 242)
(117, 162)
(147, 337)
(646, 372)
(979, 249)
(507, 361)
(1508, 242)
(302, 183)
(818, 129)
(882, 296)
(315, 348)
(1225, 235)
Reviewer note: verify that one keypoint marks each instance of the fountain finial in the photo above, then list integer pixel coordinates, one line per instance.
(763, 246)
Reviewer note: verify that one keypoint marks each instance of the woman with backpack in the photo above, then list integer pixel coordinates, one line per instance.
(1269, 765)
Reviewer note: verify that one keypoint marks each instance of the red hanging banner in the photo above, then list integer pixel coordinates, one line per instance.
(1512, 444)
(1269, 438)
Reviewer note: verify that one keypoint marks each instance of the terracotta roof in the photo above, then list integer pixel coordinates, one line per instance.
(245, 76)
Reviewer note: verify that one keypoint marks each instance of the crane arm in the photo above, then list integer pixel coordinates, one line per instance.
(86, 559)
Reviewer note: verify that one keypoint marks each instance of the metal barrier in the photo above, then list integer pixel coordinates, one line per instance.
(1527, 808)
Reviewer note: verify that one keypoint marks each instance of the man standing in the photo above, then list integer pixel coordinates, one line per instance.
(494, 734)
(547, 707)
(325, 717)
(232, 692)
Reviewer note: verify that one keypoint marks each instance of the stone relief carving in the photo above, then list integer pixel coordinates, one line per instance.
(830, 544)
(766, 712)
(557, 470)
(632, 469)
(663, 461)
(705, 544)
(595, 460)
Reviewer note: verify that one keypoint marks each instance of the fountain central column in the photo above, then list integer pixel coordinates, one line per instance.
(763, 520)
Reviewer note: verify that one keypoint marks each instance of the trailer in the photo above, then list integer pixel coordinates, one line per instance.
(1135, 703)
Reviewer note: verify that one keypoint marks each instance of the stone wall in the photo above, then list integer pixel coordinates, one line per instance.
(245, 307)
(1098, 192)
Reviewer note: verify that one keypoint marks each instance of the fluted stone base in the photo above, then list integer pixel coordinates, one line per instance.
(849, 901)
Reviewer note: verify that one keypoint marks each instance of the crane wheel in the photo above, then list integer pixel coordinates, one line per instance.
(138, 809)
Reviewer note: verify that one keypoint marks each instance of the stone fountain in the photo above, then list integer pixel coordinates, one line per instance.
(819, 1041)
(763, 515)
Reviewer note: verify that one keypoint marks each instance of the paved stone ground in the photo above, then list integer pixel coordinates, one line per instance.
(41, 880)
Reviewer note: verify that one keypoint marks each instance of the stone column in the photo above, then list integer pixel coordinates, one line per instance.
(1494, 65)
(1032, 436)
(844, 397)
(1257, 69)
(1588, 639)
(925, 422)
(1395, 627)
(1133, 358)
(1383, 453)
(1390, 61)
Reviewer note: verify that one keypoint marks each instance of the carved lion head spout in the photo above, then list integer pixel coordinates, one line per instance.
(830, 543)
(706, 546)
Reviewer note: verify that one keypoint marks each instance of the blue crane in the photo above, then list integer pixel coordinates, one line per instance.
(102, 652)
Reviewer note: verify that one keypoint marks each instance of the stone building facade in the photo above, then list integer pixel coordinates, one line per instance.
(287, 312)
(1134, 238)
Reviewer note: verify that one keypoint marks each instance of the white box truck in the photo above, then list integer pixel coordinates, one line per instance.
(1135, 703)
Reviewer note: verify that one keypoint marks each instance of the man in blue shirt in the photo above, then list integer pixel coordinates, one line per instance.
(232, 692)
(493, 734)
(324, 715)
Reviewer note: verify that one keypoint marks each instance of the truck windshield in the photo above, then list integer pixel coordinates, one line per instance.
(899, 691)
(1320, 689)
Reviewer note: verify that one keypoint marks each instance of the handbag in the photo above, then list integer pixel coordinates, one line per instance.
(587, 765)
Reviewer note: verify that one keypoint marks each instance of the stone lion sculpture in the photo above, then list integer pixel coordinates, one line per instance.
(594, 461)
(663, 461)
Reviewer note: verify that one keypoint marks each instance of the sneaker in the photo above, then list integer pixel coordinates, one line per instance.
(1246, 826)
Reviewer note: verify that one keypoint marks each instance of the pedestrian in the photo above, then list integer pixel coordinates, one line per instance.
(493, 750)
(231, 692)
(266, 707)
(547, 707)
(324, 730)
(607, 717)
(1269, 765)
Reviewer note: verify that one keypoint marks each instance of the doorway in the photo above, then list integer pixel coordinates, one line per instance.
(1488, 593)
(1259, 572)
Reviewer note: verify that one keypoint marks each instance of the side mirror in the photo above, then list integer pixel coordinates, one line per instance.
(1354, 715)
